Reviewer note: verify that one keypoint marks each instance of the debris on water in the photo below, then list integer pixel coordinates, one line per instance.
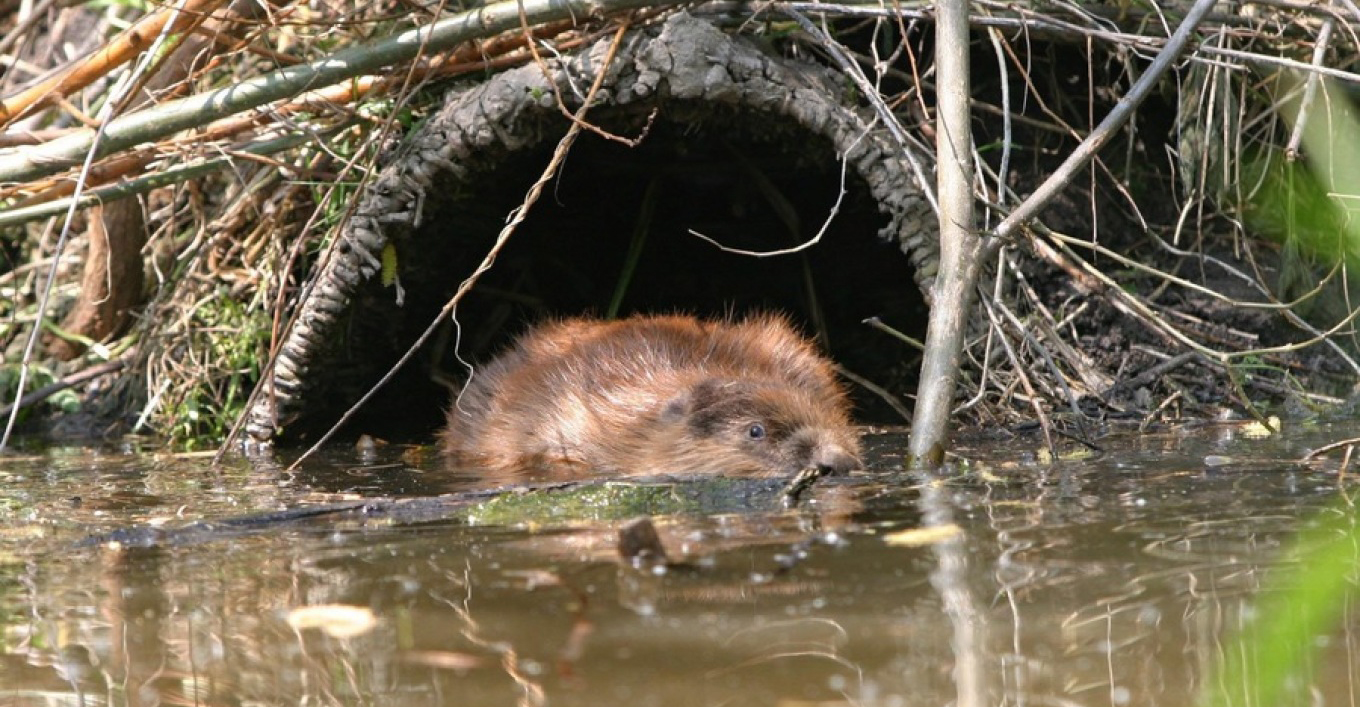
(640, 545)
(334, 620)
(920, 537)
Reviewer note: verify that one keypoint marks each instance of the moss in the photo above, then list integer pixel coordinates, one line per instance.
(618, 500)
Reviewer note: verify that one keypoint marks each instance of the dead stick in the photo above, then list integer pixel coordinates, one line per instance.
(1153, 373)
(1107, 127)
(1329, 447)
(70, 381)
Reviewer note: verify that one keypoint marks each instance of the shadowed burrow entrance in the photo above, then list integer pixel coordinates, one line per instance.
(759, 156)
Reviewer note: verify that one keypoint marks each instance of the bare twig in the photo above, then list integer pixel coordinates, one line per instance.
(814, 240)
(79, 377)
(908, 147)
(877, 390)
(1152, 374)
(878, 324)
(1112, 122)
(1291, 148)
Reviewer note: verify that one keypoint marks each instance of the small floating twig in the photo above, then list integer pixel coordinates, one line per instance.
(800, 483)
(1329, 447)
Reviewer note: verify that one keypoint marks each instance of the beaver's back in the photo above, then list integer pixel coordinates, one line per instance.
(627, 396)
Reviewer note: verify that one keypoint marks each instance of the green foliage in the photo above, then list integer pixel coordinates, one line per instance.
(1314, 227)
(1310, 206)
(230, 343)
(141, 7)
(1269, 661)
(1292, 205)
(405, 118)
(389, 265)
(38, 376)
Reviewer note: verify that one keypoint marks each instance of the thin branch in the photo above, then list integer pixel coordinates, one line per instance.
(1107, 127)
(156, 180)
(814, 240)
(173, 116)
(883, 393)
(82, 376)
(1291, 148)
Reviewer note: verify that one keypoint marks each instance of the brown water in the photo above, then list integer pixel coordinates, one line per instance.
(1114, 579)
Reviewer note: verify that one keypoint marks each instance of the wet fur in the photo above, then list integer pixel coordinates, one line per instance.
(654, 395)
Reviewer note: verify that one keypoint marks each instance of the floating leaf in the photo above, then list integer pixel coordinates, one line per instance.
(335, 620)
(919, 537)
(1258, 430)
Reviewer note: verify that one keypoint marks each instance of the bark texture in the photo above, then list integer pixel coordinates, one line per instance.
(112, 281)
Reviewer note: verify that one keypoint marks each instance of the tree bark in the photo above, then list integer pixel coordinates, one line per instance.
(112, 283)
(960, 246)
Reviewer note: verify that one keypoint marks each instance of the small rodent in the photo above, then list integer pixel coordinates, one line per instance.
(653, 395)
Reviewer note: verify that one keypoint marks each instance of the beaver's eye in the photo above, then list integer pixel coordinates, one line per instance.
(756, 431)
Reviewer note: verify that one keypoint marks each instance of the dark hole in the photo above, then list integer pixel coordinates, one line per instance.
(746, 181)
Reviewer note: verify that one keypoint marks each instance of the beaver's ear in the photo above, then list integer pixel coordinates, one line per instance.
(699, 406)
(676, 408)
(692, 399)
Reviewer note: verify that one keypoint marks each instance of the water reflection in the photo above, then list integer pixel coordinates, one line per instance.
(1114, 579)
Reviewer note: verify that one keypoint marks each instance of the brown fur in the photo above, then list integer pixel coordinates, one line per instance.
(655, 395)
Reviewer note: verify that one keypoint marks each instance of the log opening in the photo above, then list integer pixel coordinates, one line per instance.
(745, 147)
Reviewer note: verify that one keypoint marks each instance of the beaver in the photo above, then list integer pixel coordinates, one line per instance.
(652, 395)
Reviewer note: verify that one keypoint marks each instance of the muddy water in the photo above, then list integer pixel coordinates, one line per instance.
(1116, 578)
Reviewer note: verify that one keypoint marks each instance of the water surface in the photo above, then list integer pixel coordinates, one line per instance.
(1110, 578)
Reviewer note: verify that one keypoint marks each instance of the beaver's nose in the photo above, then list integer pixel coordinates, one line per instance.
(834, 459)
